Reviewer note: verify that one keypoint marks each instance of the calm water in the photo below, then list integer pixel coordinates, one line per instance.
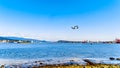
(58, 50)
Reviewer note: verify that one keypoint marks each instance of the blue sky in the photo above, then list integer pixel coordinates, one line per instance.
(52, 19)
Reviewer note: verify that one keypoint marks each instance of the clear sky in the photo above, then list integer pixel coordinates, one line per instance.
(52, 19)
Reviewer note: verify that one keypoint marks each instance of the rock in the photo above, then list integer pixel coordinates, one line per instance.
(111, 58)
(89, 62)
(117, 58)
(71, 62)
(2, 66)
(36, 61)
(41, 63)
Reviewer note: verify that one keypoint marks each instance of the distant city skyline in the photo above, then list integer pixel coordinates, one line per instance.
(53, 19)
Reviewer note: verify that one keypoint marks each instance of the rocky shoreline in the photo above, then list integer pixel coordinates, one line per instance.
(74, 63)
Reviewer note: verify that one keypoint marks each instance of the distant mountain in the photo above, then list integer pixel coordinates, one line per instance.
(5, 38)
(21, 39)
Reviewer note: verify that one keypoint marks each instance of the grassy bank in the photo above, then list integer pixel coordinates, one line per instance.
(80, 66)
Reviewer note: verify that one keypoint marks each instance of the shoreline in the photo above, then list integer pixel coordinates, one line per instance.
(68, 63)
(81, 66)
